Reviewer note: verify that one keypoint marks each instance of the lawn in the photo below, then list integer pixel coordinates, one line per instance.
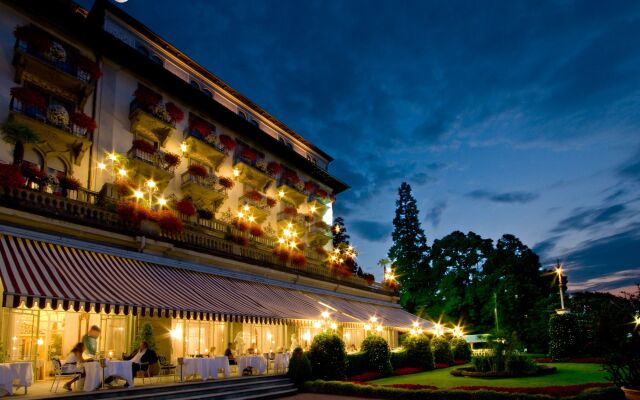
(567, 374)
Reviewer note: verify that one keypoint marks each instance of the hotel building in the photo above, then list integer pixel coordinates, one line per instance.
(138, 187)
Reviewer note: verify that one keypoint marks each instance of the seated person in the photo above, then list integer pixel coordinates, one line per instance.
(72, 364)
(229, 353)
(142, 359)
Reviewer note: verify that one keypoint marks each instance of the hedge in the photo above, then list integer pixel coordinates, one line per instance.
(382, 392)
(328, 356)
(357, 363)
(419, 352)
(441, 350)
(299, 367)
(400, 359)
(461, 349)
(378, 354)
(563, 336)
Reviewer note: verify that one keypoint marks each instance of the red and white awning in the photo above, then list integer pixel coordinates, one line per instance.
(46, 274)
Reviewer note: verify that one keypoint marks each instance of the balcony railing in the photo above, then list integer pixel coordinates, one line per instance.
(154, 159)
(67, 66)
(34, 113)
(204, 236)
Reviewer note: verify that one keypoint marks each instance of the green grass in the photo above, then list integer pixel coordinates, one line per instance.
(567, 374)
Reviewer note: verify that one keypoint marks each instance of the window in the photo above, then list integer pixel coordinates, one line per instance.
(56, 167)
(195, 84)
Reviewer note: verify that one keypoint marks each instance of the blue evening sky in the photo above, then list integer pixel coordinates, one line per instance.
(505, 116)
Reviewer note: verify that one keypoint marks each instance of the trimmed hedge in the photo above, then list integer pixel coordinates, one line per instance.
(378, 354)
(419, 353)
(299, 367)
(400, 359)
(328, 357)
(461, 349)
(382, 392)
(441, 350)
(356, 363)
(563, 336)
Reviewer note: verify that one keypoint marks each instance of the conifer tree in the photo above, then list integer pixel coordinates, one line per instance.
(409, 251)
(341, 240)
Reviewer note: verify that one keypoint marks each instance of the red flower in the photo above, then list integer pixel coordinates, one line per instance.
(171, 159)
(186, 207)
(227, 142)
(321, 193)
(254, 195)
(282, 252)
(123, 186)
(290, 176)
(29, 97)
(83, 121)
(240, 224)
(225, 182)
(132, 213)
(89, 66)
(298, 259)
(68, 182)
(309, 186)
(366, 376)
(291, 211)
(255, 230)
(198, 170)
(144, 146)
(271, 202)
(369, 278)
(274, 167)
(147, 97)
(407, 371)
(175, 113)
(248, 154)
(11, 177)
(169, 222)
(199, 125)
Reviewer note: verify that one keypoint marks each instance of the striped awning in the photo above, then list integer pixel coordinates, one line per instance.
(45, 274)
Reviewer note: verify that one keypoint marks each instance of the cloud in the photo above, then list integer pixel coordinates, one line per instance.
(631, 168)
(610, 282)
(373, 231)
(503, 197)
(588, 218)
(434, 215)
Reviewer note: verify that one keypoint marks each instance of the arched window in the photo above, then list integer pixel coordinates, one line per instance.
(33, 157)
(208, 93)
(195, 84)
(56, 166)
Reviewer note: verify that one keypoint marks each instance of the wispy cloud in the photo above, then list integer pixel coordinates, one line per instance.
(503, 197)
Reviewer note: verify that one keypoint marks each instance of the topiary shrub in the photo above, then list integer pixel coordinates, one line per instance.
(378, 354)
(461, 349)
(399, 359)
(356, 363)
(441, 349)
(419, 353)
(328, 357)
(145, 334)
(299, 367)
(563, 336)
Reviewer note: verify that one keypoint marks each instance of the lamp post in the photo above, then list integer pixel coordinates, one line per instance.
(558, 271)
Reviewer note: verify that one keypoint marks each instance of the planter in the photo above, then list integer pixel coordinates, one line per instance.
(149, 228)
(631, 394)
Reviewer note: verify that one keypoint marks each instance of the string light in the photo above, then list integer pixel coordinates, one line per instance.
(325, 314)
(236, 172)
(281, 194)
(102, 166)
(183, 147)
(162, 201)
(138, 194)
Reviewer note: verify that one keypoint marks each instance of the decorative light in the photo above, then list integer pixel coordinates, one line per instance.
(636, 320)
(286, 232)
(176, 333)
(281, 240)
(438, 329)
(112, 156)
(281, 194)
(122, 172)
(40, 341)
(373, 319)
(379, 328)
(325, 314)
(251, 218)
(184, 147)
(317, 324)
(162, 201)
(240, 214)
(151, 184)
(313, 209)
(246, 207)
(367, 327)
(292, 244)
(102, 166)
(334, 326)
(138, 194)
(337, 228)
(412, 331)
(306, 336)
(416, 324)
(236, 172)
(458, 332)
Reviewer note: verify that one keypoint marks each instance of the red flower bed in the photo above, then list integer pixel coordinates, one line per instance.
(186, 207)
(459, 362)
(407, 371)
(34, 37)
(83, 121)
(274, 168)
(298, 259)
(29, 97)
(169, 222)
(144, 146)
(366, 376)
(225, 182)
(171, 159)
(227, 142)
(11, 176)
(147, 97)
(198, 170)
(133, 213)
(248, 154)
(89, 66)
(175, 113)
(441, 365)
(555, 391)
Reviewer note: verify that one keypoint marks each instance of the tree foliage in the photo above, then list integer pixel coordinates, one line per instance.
(145, 333)
(328, 357)
(419, 353)
(563, 336)
(378, 354)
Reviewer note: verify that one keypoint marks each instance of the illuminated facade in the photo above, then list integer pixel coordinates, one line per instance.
(153, 192)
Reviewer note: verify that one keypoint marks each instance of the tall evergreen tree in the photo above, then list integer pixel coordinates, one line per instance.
(409, 251)
(341, 240)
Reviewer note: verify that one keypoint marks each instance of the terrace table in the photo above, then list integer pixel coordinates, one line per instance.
(281, 361)
(19, 374)
(204, 367)
(257, 362)
(93, 371)
(219, 363)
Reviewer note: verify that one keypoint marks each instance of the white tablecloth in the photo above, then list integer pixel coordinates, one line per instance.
(206, 368)
(257, 362)
(16, 374)
(93, 378)
(281, 362)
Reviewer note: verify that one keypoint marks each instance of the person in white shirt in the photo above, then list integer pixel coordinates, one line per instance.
(141, 359)
(73, 364)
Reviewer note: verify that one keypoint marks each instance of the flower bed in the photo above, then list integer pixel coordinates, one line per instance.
(471, 372)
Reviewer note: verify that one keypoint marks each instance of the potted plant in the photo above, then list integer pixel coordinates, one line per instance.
(198, 127)
(176, 115)
(225, 182)
(274, 168)
(623, 367)
(82, 123)
(227, 142)
(68, 183)
(18, 135)
(198, 170)
(171, 159)
(186, 207)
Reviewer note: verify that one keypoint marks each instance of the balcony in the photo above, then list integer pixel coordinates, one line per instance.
(55, 138)
(149, 123)
(285, 218)
(317, 207)
(203, 190)
(254, 204)
(67, 73)
(291, 194)
(251, 175)
(143, 166)
(319, 234)
(213, 153)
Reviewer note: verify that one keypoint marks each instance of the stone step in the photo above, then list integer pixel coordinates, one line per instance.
(213, 392)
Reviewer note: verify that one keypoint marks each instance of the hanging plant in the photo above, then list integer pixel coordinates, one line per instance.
(68, 182)
(271, 202)
(89, 66)
(254, 195)
(169, 222)
(225, 182)
(144, 146)
(172, 159)
(176, 115)
(186, 207)
(146, 97)
(228, 142)
(198, 170)
(83, 121)
(29, 97)
(248, 154)
(205, 214)
(255, 230)
(274, 168)
(34, 37)
(298, 259)
(309, 187)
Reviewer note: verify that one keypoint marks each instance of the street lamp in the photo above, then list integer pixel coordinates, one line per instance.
(559, 271)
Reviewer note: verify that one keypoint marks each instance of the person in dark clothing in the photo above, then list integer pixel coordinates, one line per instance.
(229, 353)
